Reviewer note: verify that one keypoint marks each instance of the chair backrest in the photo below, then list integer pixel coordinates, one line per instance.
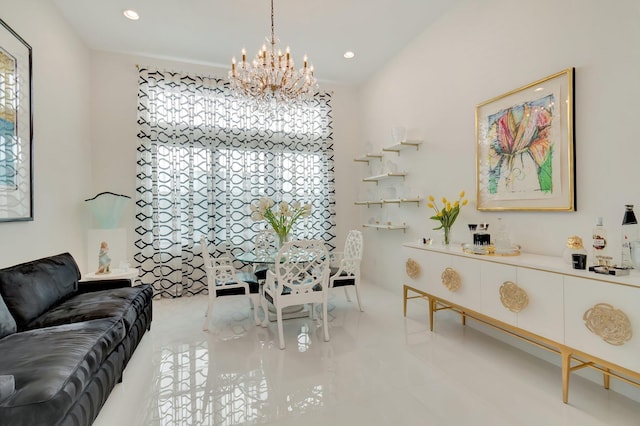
(352, 255)
(265, 242)
(212, 261)
(206, 258)
(222, 274)
(302, 266)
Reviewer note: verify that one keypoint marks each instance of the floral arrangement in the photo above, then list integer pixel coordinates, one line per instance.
(448, 214)
(282, 218)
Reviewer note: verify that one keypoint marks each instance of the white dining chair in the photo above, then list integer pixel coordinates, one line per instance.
(345, 265)
(224, 280)
(300, 275)
(264, 246)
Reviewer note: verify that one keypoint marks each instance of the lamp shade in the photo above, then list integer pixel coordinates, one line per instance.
(108, 208)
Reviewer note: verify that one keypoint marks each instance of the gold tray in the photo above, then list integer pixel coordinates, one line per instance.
(490, 250)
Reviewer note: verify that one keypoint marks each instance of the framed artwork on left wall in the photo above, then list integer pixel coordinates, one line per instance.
(525, 156)
(16, 127)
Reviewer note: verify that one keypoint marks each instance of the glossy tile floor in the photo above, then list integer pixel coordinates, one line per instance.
(378, 369)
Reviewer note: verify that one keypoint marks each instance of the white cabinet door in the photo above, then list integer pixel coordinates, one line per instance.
(435, 264)
(468, 294)
(428, 264)
(544, 314)
(493, 276)
(581, 295)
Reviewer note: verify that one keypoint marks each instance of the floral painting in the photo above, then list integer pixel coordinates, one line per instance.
(525, 147)
(521, 151)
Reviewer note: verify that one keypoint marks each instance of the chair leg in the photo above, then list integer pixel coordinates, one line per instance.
(207, 315)
(280, 330)
(265, 309)
(346, 293)
(358, 298)
(325, 324)
(254, 299)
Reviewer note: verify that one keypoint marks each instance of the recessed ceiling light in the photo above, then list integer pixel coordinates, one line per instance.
(539, 89)
(131, 14)
(349, 54)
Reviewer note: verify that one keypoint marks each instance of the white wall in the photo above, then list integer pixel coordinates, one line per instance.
(480, 50)
(61, 124)
(113, 110)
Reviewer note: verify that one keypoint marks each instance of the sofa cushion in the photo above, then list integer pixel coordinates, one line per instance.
(31, 288)
(125, 303)
(7, 323)
(52, 367)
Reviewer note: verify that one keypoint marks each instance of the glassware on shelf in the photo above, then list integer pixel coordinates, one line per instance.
(399, 134)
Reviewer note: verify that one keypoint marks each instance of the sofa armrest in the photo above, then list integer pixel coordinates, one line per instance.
(89, 286)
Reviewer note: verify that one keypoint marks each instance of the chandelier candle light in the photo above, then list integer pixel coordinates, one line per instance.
(448, 214)
(281, 219)
(272, 79)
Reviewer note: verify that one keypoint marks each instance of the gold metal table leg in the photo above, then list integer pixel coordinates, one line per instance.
(432, 308)
(405, 290)
(566, 371)
(607, 378)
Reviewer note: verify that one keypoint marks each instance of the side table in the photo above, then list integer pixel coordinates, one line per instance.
(131, 274)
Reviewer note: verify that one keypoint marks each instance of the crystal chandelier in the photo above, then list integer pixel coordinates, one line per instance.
(272, 80)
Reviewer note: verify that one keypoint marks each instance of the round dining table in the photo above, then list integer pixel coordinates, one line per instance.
(269, 258)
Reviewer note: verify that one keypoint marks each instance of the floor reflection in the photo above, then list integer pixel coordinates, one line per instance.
(235, 375)
(379, 368)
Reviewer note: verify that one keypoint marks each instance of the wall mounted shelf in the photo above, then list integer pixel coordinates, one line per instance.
(384, 176)
(368, 157)
(389, 201)
(389, 227)
(403, 145)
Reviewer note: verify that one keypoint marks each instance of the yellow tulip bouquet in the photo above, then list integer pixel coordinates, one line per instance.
(448, 214)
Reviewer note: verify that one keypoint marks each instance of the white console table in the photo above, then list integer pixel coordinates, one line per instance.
(586, 318)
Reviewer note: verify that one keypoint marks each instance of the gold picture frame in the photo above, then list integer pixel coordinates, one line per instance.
(525, 147)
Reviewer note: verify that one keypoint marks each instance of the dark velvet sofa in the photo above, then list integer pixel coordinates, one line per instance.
(64, 343)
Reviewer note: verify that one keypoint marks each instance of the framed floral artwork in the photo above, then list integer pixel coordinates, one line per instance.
(16, 181)
(525, 157)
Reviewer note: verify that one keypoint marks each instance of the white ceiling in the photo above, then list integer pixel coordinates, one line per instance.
(212, 31)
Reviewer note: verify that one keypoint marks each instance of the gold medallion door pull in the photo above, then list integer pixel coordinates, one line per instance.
(611, 324)
(513, 298)
(413, 268)
(451, 279)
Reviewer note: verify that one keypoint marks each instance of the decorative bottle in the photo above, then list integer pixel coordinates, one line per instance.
(502, 239)
(629, 236)
(574, 245)
(600, 252)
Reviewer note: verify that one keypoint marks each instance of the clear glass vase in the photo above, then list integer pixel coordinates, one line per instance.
(282, 239)
(446, 236)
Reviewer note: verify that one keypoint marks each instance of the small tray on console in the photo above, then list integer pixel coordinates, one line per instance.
(490, 250)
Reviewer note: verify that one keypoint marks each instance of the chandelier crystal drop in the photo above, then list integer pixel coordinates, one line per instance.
(271, 79)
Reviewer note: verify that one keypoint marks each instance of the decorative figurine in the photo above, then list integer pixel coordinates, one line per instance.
(104, 261)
